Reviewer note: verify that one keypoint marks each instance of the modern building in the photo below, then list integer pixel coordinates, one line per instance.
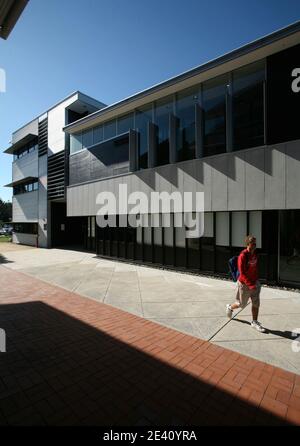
(10, 11)
(39, 173)
(228, 128)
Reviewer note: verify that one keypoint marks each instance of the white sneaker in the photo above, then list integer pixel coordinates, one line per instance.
(257, 325)
(229, 311)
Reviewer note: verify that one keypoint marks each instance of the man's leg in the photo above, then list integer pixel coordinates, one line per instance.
(237, 304)
(254, 312)
(255, 309)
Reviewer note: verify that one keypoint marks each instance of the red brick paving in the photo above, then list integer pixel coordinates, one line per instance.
(73, 361)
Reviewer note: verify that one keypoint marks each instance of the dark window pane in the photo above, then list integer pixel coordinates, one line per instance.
(162, 117)
(214, 111)
(248, 106)
(75, 142)
(87, 138)
(110, 129)
(98, 134)
(290, 245)
(186, 135)
(125, 123)
(142, 118)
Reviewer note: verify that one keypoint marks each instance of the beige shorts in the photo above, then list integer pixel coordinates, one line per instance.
(244, 293)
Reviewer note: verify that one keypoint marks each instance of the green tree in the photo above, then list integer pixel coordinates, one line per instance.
(5, 211)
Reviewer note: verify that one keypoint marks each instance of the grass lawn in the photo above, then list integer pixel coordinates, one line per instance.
(5, 238)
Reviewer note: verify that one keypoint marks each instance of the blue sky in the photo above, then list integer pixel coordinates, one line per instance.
(110, 49)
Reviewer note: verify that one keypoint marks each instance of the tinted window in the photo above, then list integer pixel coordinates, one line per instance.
(98, 134)
(186, 134)
(87, 138)
(142, 117)
(125, 123)
(75, 142)
(163, 110)
(214, 111)
(248, 106)
(110, 129)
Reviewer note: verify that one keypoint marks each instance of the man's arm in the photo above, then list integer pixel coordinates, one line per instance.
(243, 267)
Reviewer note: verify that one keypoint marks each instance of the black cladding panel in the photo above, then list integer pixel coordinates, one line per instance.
(283, 96)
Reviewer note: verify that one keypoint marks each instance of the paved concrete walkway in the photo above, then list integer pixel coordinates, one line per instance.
(191, 304)
(75, 361)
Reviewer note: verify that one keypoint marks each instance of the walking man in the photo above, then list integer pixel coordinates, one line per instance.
(248, 285)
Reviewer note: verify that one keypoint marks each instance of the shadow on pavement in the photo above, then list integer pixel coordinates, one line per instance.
(282, 334)
(4, 259)
(59, 370)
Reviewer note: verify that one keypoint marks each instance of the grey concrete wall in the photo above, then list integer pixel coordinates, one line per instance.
(31, 127)
(42, 202)
(24, 239)
(25, 207)
(261, 178)
(27, 166)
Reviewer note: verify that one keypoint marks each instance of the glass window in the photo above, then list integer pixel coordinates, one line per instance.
(214, 115)
(238, 228)
(142, 118)
(93, 227)
(163, 110)
(179, 231)
(248, 106)
(75, 142)
(208, 224)
(290, 245)
(222, 228)
(89, 227)
(167, 222)
(207, 243)
(125, 123)
(87, 138)
(186, 124)
(110, 129)
(98, 134)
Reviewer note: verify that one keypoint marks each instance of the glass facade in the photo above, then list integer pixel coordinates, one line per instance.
(87, 138)
(98, 134)
(166, 242)
(23, 151)
(143, 117)
(26, 187)
(186, 124)
(75, 142)
(110, 129)
(163, 111)
(248, 106)
(125, 123)
(289, 266)
(240, 93)
(214, 115)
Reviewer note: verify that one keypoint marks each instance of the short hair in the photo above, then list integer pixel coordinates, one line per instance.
(249, 239)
